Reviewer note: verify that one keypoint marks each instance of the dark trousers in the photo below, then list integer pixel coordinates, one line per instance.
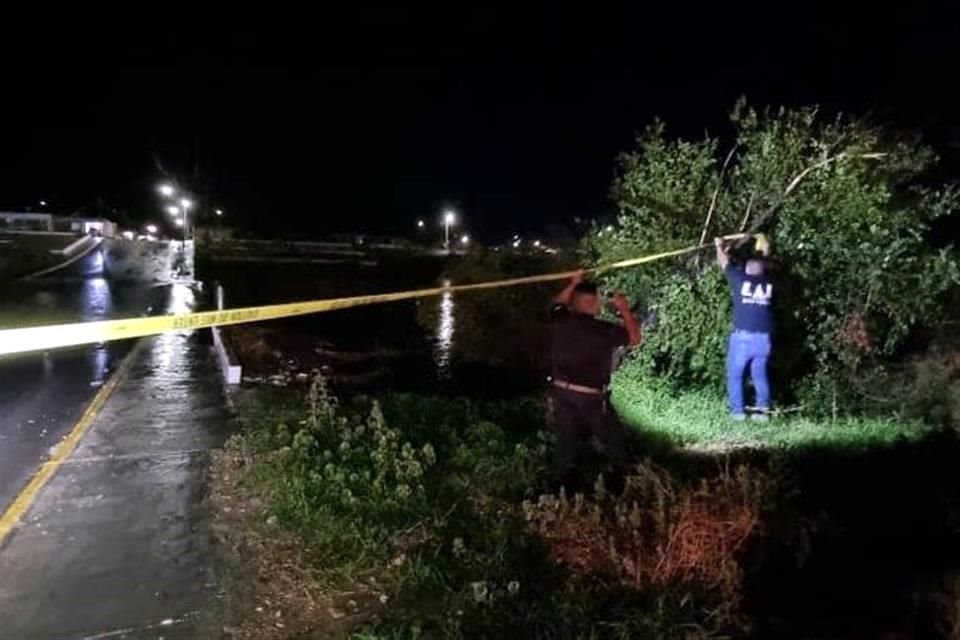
(579, 418)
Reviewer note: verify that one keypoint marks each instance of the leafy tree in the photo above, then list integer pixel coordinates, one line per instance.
(847, 206)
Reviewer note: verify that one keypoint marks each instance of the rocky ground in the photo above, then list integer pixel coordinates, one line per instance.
(281, 358)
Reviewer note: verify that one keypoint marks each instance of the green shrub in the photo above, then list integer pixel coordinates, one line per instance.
(921, 388)
(855, 273)
(347, 483)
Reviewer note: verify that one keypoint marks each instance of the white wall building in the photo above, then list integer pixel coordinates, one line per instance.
(15, 221)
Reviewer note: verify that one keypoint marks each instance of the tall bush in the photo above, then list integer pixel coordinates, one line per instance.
(855, 270)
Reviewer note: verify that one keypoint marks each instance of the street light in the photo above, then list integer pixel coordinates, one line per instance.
(421, 224)
(178, 222)
(43, 203)
(449, 218)
(185, 204)
(174, 211)
(166, 190)
(464, 239)
(219, 212)
(151, 229)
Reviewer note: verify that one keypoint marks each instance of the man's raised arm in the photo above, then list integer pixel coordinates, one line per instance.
(566, 295)
(723, 258)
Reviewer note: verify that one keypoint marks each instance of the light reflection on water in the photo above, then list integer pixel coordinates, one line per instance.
(97, 301)
(97, 298)
(444, 339)
(182, 298)
(99, 361)
(168, 348)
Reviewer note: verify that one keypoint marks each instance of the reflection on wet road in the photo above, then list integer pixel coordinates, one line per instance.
(43, 394)
(118, 543)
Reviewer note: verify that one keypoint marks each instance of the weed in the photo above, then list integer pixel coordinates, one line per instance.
(658, 534)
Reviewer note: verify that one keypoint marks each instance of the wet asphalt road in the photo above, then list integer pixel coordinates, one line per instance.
(43, 395)
(118, 543)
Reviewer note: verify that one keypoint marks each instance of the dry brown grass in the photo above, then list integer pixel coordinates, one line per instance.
(658, 532)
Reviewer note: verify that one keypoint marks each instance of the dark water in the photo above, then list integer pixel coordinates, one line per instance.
(445, 345)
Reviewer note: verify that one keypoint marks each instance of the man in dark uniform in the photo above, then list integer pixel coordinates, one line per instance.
(582, 350)
(750, 342)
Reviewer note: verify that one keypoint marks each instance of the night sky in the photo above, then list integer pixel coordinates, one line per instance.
(313, 122)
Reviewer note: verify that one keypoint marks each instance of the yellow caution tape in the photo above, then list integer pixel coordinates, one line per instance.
(79, 333)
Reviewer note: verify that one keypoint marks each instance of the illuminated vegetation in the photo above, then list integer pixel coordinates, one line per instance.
(698, 419)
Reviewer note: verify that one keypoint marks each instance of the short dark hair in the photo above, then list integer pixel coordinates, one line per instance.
(585, 288)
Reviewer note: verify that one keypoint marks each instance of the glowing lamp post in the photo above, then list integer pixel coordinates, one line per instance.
(185, 204)
(449, 218)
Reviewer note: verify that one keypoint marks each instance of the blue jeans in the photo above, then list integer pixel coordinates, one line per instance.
(747, 347)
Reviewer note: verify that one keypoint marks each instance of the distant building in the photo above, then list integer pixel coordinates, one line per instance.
(14, 221)
(46, 222)
(93, 226)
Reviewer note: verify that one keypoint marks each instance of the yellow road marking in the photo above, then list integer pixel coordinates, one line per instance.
(29, 493)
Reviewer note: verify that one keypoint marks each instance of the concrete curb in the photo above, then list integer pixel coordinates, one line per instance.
(229, 364)
(64, 264)
(73, 247)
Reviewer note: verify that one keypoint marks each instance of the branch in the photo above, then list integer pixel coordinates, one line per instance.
(762, 219)
(746, 216)
(713, 200)
(803, 174)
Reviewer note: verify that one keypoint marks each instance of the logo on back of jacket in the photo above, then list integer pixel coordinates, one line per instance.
(759, 293)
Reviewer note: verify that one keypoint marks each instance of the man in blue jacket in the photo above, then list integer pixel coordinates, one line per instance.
(750, 341)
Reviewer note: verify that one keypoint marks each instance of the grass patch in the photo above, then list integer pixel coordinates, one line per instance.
(444, 505)
(699, 420)
(420, 517)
